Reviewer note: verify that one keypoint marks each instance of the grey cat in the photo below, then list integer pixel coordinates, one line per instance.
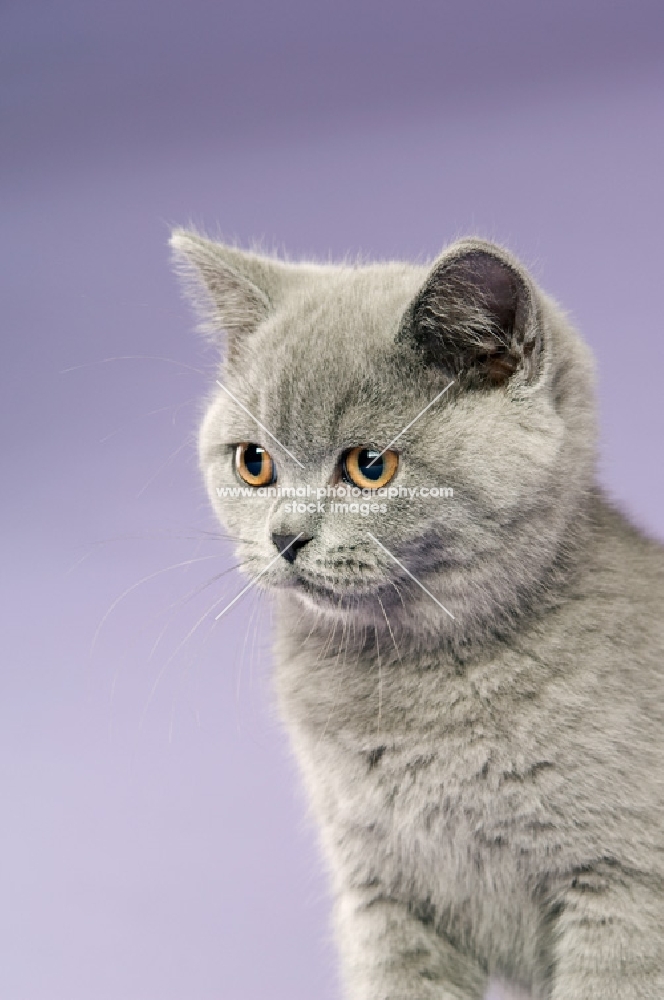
(473, 685)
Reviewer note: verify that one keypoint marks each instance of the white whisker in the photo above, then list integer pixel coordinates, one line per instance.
(139, 583)
(172, 656)
(164, 465)
(389, 627)
(132, 357)
(380, 680)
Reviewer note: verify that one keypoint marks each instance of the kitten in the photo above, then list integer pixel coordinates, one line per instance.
(473, 683)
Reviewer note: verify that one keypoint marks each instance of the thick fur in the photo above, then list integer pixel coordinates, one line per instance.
(488, 780)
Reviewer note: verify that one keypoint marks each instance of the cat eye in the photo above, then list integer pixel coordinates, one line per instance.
(254, 464)
(367, 468)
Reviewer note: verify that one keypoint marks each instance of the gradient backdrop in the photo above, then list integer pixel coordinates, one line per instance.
(154, 843)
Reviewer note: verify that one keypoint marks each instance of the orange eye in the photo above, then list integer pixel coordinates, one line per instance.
(254, 464)
(367, 468)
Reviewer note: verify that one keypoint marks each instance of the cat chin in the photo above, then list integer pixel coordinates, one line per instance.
(331, 603)
(368, 608)
(317, 604)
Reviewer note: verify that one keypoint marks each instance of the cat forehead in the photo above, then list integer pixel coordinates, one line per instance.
(328, 350)
(324, 365)
(343, 303)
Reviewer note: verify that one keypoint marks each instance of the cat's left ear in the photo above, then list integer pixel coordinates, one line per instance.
(477, 316)
(233, 290)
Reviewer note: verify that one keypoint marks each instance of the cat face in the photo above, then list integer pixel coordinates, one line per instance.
(389, 439)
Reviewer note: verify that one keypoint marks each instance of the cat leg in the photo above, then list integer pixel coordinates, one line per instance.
(390, 954)
(610, 941)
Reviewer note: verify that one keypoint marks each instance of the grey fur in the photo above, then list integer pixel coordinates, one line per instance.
(489, 788)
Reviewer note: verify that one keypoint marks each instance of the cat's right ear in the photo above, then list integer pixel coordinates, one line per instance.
(232, 290)
(477, 315)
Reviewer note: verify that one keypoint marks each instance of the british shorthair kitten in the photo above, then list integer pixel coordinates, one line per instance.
(469, 647)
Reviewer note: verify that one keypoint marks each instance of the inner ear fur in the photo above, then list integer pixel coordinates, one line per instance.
(475, 316)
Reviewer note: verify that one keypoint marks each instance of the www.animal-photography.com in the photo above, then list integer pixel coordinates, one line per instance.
(333, 571)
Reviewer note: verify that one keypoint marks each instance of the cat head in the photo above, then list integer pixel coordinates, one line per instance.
(388, 442)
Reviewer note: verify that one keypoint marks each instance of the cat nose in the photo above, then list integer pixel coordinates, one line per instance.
(289, 544)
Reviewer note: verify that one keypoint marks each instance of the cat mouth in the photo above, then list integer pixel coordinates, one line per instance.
(328, 593)
(324, 589)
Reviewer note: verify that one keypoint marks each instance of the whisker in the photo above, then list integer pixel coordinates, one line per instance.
(250, 618)
(149, 413)
(190, 663)
(171, 722)
(335, 699)
(77, 563)
(393, 584)
(114, 684)
(145, 579)
(314, 625)
(196, 535)
(326, 645)
(172, 656)
(252, 652)
(198, 589)
(133, 357)
(389, 627)
(182, 602)
(157, 641)
(164, 465)
(380, 679)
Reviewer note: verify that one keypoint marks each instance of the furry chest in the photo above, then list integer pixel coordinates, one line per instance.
(438, 839)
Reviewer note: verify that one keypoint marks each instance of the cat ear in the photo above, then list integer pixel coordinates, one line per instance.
(476, 316)
(232, 290)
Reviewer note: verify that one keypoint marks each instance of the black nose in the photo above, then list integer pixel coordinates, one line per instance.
(289, 544)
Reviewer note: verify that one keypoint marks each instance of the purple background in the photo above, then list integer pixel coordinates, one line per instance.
(154, 841)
